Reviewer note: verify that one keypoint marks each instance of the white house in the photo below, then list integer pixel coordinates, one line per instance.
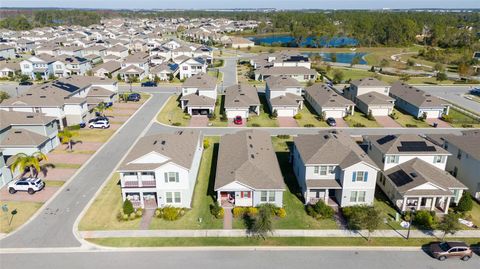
(248, 173)
(161, 170)
(371, 96)
(199, 94)
(192, 66)
(7, 52)
(241, 100)
(39, 64)
(284, 95)
(327, 102)
(330, 166)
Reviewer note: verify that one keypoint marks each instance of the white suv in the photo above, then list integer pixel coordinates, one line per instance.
(30, 185)
(100, 124)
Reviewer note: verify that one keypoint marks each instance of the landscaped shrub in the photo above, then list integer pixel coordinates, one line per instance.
(139, 212)
(358, 124)
(171, 213)
(252, 211)
(158, 213)
(370, 116)
(74, 127)
(238, 211)
(393, 116)
(358, 216)
(128, 207)
(176, 124)
(447, 118)
(298, 116)
(411, 125)
(187, 117)
(216, 210)
(425, 219)
(132, 216)
(467, 125)
(320, 210)
(255, 125)
(309, 125)
(280, 212)
(465, 204)
(206, 143)
(284, 136)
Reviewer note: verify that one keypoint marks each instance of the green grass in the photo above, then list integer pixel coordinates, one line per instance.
(215, 74)
(404, 119)
(359, 117)
(25, 210)
(475, 213)
(219, 110)
(172, 113)
(387, 211)
(271, 241)
(458, 119)
(202, 197)
(94, 135)
(309, 116)
(263, 119)
(102, 214)
(54, 183)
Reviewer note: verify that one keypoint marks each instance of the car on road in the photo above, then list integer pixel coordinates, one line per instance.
(103, 124)
(331, 122)
(30, 185)
(98, 119)
(444, 250)
(238, 120)
(135, 97)
(475, 91)
(25, 83)
(149, 84)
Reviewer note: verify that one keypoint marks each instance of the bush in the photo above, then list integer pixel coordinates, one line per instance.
(187, 117)
(309, 125)
(171, 213)
(370, 116)
(425, 219)
(361, 217)
(465, 204)
(206, 143)
(132, 216)
(74, 127)
(252, 211)
(176, 124)
(298, 116)
(128, 207)
(393, 116)
(284, 136)
(358, 124)
(124, 217)
(255, 125)
(158, 213)
(447, 118)
(216, 210)
(320, 210)
(239, 211)
(139, 212)
(280, 212)
(411, 125)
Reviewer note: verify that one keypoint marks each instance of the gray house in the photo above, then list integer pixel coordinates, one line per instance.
(328, 102)
(241, 100)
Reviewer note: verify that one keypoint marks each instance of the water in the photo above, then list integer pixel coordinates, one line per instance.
(342, 57)
(289, 41)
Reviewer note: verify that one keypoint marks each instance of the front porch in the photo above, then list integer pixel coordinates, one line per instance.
(326, 195)
(439, 204)
(230, 199)
(140, 199)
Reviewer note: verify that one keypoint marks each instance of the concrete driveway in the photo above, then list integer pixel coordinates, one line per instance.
(386, 121)
(440, 123)
(341, 122)
(40, 196)
(199, 121)
(287, 122)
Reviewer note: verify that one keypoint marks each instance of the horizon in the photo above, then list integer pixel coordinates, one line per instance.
(246, 4)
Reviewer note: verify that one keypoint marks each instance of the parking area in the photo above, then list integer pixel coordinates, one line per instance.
(232, 124)
(40, 196)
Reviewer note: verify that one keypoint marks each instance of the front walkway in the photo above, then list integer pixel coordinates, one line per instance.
(440, 123)
(227, 218)
(287, 122)
(146, 218)
(199, 121)
(386, 121)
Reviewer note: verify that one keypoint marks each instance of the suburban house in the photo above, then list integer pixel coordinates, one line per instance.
(327, 102)
(7, 52)
(417, 102)
(107, 69)
(118, 50)
(8, 69)
(27, 132)
(161, 170)
(192, 66)
(38, 65)
(370, 96)
(164, 71)
(465, 160)
(284, 95)
(237, 42)
(135, 66)
(5, 173)
(199, 94)
(71, 65)
(331, 167)
(241, 100)
(248, 173)
(413, 172)
(299, 73)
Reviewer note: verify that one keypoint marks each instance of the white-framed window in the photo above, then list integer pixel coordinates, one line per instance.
(357, 196)
(316, 169)
(171, 177)
(361, 196)
(392, 159)
(173, 197)
(323, 170)
(271, 196)
(353, 196)
(439, 159)
(263, 196)
(361, 176)
(267, 196)
(331, 169)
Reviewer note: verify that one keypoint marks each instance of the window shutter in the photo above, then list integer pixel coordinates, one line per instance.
(365, 176)
(176, 177)
(166, 177)
(241, 194)
(354, 176)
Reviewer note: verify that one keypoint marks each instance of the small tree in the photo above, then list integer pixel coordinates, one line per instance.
(102, 107)
(370, 115)
(128, 207)
(384, 63)
(38, 76)
(274, 114)
(371, 220)
(263, 222)
(66, 137)
(441, 76)
(337, 76)
(439, 67)
(4, 96)
(449, 225)
(372, 69)
(465, 204)
(119, 77)
(156, 79)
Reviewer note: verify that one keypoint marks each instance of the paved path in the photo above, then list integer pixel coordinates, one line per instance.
(198, 121)
(55, 230)
(341, 122)
(227, 218)
(276, 233)
(146, 218)
(287, 122)
(440, 123)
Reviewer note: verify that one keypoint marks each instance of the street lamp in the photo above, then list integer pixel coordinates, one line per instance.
(412, 213)
(16, 89)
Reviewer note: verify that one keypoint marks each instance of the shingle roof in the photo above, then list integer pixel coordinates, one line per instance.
(368, 82)
(281, 83)
(469, 143)
(326, 97)
(241, 95)
(286, 70)
(22, 137)
(286, 100)
(401, 144)
(201, 81)
(415, 96)
(8, 118)
(248, 157)
(375, 98)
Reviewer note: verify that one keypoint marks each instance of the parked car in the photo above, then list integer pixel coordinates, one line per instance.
(135, 97)
(108, 104)
(475, 91)
(149, 84)
(331, 122)
(30, 185)
(25, 83)
(444, 250)
(238, 120)
(98, 119)
(100, 124)
(82, 124)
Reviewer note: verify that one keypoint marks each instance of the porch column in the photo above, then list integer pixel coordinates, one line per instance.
(141, 200)
(447, 204)
(352, 110)
(434, 201)
(326, 196)
(139, 179)
(307, 198)
(404, 204)
(419, 202)
(124, 195)
(218, 196)
(448, 110)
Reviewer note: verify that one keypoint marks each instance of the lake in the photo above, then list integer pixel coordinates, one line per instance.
(342, 57)
(289, 41)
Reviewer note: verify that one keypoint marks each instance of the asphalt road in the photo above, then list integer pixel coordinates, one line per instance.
(453, 94)
(233, 259)
(229, 70)
(54, 226)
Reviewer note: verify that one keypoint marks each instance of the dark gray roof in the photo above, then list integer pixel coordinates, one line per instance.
(326, 97)
(415, 96)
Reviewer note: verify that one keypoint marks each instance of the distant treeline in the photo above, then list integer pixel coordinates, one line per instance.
(28, 19)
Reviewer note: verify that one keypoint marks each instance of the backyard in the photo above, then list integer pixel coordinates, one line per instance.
(262, 120)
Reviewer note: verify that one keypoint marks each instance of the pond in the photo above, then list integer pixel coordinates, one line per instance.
(342, 57)
(289, 41)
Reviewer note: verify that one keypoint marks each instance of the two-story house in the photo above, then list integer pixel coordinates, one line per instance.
(161, 170)
(284, 95)
(38, 65)
(248, 173)
(135, 65)
(331, 167)
(192, 66)
(370, 96)
(199, 94)
(413, 172)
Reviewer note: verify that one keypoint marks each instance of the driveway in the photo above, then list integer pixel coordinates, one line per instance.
(199, 121)
(440, 123)
(341, 122)
(386, 121)
(287, 122)
(231, 124)
(39, 197)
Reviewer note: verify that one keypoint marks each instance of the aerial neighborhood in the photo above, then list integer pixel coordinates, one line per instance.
(192, 124)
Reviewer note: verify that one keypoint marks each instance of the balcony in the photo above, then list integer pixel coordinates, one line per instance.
(136, 183)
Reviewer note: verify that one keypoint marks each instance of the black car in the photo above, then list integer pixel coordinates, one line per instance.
(97, 119)
(25, 83)
(134, 97)
(331, 122)
(149, 84)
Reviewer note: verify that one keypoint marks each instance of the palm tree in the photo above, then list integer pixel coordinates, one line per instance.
(31, 163)
(66, 137)
(102, 107)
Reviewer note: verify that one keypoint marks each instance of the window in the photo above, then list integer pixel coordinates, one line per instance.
(169, 197)
(353, 196)
(360, 176)
(171, 177)
(438, 159)
(357, 196)
(177, 197)
(392, 159)
(173, 197)
(323, 170)
(361, 196)
(267, 196)
(185, 68)
(263, 196)
(271, 196)
(331, 169)
(316, 169)
(245, 194)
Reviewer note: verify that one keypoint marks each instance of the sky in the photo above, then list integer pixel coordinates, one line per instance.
(219, 4)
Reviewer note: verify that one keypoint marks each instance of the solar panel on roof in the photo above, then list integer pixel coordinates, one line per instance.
(400, 178)
(415, 146)
(385, 139)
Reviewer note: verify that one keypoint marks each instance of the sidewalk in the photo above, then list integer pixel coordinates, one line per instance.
(276, 233)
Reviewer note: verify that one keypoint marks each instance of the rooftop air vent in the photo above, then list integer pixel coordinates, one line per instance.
(413, 174)
(155, 142)
(30, 117)
(326, 136)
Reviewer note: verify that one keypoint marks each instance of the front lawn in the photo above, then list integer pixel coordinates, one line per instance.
(25, 210)
(173, 113)
(407, 120)
(309, 117)
(219, 111)
(262, 120)
(360, 120)
(387, 212)
(461, 120)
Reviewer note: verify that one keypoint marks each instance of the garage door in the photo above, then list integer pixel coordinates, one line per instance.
(233, 113)
(286, 112)
(432, 113)
(334, 113)
(379, 111)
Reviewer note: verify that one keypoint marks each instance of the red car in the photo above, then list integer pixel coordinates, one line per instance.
(238, 120)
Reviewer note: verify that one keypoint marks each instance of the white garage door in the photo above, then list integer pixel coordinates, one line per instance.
(231, 113)
(432, 113)
(379, 111)
(285, 112)
(334, 113)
